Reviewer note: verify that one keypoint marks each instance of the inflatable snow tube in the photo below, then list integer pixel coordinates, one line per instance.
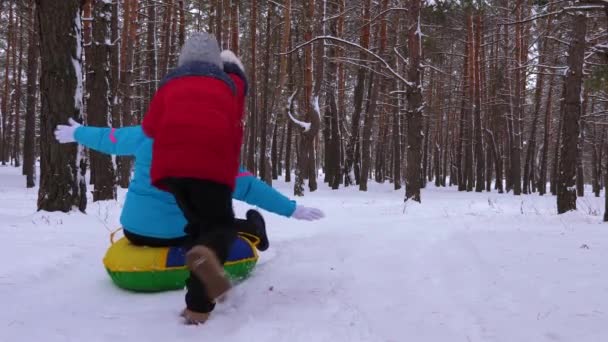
(150, 269)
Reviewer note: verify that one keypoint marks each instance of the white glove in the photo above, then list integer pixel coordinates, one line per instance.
(65, 134)
(308, 214)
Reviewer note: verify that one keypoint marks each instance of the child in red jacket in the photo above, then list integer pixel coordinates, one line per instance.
(195, 121)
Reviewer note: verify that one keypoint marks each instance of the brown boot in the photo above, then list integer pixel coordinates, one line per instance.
(203, 262)
(195, 318)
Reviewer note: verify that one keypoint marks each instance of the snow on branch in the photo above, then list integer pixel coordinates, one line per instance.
(357, 46)
(304, 125)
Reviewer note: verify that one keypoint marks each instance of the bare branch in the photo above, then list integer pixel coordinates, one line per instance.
(304, 125)
(361, 48)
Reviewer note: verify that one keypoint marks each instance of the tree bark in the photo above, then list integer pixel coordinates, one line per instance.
(61, 186)
(17, 117)
(542, 181)
(479, 156)
(6, 95)
(253, 102)
(128, 46)
(263, 163)
(415, 103)
(234, 27)
(566, 192)
(358, 100)
(100, 99)
(33, 57)
(151, 58)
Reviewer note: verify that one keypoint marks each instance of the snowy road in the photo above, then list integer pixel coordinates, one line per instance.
(459, 267)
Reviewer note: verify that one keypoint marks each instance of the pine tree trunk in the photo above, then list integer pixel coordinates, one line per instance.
(265, 174)
(280, 160)
(566, 192)
(99, 103)
(288, 143)
(253, 102)
(166, 35)
(542, 181)
(128, 46)
(234, 27)
(479, 155)
(61, 186)
(516, 144)
(425, 154)
(273, 152)
(558, 143)
(606, 184)
(29, 143)
(351, 147)
(596, 160)
(415, 103)
(580, 172)
(463, 126)
(151, 58)
(6, 95)
(17, 136)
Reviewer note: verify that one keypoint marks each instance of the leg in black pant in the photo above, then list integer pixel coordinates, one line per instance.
(207, 207)
(254, 225)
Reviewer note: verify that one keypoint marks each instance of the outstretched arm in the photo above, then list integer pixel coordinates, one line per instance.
(251, 190)
(118, 141)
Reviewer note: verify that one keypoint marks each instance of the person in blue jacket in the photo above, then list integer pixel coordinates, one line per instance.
(151, 217)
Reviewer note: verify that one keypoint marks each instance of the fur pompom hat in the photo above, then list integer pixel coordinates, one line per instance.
(200, 47)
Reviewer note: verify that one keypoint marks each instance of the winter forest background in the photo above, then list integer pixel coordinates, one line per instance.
(502, 95)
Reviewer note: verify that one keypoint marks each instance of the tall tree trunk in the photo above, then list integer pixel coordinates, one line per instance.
(606, 184)
(99, 103)
(265, 119)
(351, 147)
(566, 192)
(273, 152)
(332, 126)
(558, 143)
(542, 181)
(415, 103)
(479, 156)
(596, 160)
(166, 36)
(253, 102)
(129, 41)
(17, 141)
(29, 143)
(61, 186)
(306, 157)
(368, 121)
(6, 96)
(288, 143)
(280, 160)
(284, 62)
(580, 172)
(516, 144)
(234, 27)
(463, 127)
(151, 58)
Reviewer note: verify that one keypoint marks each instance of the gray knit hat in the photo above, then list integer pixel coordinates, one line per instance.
(200, 47)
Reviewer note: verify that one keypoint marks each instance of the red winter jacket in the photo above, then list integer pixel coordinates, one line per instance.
(195, 121)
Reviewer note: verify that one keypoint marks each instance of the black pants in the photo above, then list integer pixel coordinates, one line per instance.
(207, 207)
(240, 225)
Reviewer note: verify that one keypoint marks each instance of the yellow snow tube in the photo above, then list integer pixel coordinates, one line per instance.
(155, 269)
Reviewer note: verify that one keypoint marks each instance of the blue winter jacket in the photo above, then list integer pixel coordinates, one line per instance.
(151, 212)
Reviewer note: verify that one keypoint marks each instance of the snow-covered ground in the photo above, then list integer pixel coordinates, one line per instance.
(459, 267)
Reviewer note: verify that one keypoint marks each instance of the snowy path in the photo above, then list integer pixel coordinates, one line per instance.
(459, 267)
